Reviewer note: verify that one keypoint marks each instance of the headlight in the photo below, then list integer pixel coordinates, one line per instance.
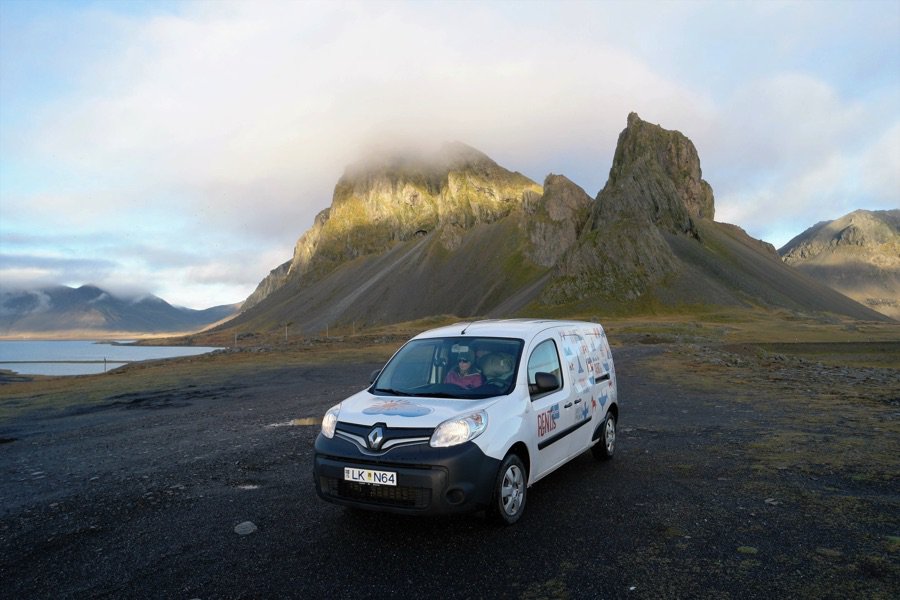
(458, 431)
(329, 422)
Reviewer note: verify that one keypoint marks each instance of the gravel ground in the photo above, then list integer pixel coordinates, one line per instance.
(140, 497)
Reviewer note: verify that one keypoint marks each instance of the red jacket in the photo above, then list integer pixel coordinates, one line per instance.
(472, 380)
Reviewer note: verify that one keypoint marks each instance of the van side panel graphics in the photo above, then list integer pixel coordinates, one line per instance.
(547, 420)
(561, 435)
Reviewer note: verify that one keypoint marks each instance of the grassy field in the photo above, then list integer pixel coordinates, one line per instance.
(739, 333)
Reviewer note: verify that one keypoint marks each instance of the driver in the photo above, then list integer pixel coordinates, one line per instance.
(465, 374)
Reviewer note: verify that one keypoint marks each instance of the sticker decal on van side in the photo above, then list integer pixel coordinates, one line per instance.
(584, 412)
(603, 399)
(547, 420)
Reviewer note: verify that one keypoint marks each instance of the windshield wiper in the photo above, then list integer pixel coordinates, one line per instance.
(391, 392)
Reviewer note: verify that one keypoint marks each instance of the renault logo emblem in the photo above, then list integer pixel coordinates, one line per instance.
(376, 436)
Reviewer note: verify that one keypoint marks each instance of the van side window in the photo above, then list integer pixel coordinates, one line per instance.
(544, 359)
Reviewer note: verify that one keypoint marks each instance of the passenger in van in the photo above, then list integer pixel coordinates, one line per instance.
(497, 367)
(464, 374)
(480, 352)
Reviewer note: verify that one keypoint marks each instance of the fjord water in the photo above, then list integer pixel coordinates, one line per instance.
(80, 357)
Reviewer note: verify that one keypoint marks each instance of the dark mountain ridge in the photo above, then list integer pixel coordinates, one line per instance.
(412, 238)
(88, 308)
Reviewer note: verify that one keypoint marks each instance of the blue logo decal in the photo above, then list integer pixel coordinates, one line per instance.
(399, 408)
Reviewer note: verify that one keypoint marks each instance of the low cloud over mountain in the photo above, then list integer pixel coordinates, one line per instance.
(89, 309)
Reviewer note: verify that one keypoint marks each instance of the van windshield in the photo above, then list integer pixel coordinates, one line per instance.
(452, 367)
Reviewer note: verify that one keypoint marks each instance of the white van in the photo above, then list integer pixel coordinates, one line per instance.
(468, 416)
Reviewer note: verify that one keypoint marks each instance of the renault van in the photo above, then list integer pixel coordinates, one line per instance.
(469, 416)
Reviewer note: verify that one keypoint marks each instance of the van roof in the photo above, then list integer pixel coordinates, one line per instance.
(519, 328)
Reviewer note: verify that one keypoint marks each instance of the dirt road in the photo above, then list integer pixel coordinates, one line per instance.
(720, 488)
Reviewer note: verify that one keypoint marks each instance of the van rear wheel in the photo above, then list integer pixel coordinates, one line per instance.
(605, 447)
(510, 489)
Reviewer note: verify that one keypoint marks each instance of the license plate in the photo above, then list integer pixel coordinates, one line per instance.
(372, 477)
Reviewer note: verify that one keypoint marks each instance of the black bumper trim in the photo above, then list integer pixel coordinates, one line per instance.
(429, 480)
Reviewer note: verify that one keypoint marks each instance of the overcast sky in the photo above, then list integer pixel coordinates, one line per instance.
(181, 148)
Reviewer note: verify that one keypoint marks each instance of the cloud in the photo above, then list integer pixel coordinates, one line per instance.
(190, 145)
(788, 151)
(255, 106)
(880, 167)
(30, 272)
(14, 304)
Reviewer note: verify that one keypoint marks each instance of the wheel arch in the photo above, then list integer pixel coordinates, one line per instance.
(614, 411)
(521, 450)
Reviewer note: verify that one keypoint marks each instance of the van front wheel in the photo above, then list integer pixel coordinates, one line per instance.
(606, 445)
(510, 489)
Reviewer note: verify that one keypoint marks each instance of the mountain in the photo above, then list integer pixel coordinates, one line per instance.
(455, 233)
(381, 203)
(90, 309)
(857, 254)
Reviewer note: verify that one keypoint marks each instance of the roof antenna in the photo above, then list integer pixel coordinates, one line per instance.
(469, 324)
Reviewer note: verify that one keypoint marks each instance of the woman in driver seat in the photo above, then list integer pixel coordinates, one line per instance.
(465, 374)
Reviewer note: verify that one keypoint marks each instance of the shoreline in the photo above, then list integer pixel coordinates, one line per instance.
(78, 336)
(68, 358)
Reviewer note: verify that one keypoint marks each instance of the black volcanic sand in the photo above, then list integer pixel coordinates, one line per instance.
(739, 474)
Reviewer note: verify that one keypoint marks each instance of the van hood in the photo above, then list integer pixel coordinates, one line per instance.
(365, 408)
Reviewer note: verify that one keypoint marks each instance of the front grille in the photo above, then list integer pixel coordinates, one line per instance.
(393, 437)
(389, 495)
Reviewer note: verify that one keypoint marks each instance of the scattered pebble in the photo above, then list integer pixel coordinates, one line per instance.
(829, 552)
(245, 528)
(747, 550)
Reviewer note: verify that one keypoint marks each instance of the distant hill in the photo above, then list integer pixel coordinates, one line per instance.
(857, 254)
(89, 309)
(455, 233)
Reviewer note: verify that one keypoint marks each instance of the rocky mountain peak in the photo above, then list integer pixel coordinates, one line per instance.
(654, 189)
(393, 197)
(555, 219)
(861, 228)
(656, 176)
(857, 254)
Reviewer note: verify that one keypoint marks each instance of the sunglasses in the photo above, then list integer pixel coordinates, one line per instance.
(465, 360)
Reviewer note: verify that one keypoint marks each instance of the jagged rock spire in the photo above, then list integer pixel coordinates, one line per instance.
(656, 176)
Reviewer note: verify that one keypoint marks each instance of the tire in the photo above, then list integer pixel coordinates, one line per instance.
(510, 490)
(605, 447)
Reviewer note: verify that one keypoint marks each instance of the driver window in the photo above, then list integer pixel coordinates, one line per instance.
(544, 359)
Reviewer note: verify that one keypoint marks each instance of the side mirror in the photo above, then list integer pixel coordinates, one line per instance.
(545, 382)
(374, 375)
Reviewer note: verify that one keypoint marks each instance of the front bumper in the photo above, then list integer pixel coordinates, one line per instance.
(429, 480)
